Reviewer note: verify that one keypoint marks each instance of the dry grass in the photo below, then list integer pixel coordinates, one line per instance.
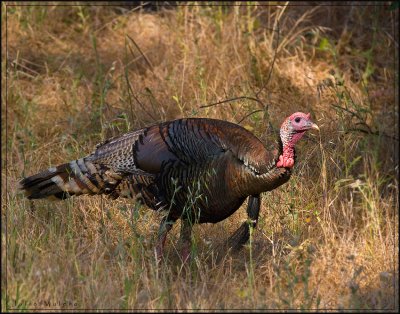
(326, 240)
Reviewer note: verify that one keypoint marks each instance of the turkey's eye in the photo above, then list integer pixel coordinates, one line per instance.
(297, 120)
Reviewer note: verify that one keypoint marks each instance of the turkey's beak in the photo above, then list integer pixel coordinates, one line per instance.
(314, 126)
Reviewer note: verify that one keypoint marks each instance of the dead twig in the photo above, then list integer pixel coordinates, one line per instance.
(141, 52)
(233, 99)
(272, 63)
(249, 114)
(130, 92)
(376, 133)
(256, 98)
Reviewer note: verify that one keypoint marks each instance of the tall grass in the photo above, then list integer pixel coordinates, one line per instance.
(79, 74)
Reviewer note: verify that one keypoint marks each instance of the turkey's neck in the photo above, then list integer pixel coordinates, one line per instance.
(287, 157)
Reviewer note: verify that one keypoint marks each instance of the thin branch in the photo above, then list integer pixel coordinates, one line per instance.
(233, 99)
(249, 114)
(349, 111)
(141, 52)
(129, 96)
(376, 133)
(125, 68)
(130, 91)
(138, 7)
(256, 98)
(272, 64)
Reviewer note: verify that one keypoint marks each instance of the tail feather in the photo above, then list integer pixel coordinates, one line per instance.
(74, 178)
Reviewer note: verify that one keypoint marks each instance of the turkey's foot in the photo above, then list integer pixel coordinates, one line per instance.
(165, 227)
(239, 237)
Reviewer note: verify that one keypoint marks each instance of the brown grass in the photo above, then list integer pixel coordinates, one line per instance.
(76, 75)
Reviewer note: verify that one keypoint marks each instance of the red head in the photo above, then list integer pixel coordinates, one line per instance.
(292, 130)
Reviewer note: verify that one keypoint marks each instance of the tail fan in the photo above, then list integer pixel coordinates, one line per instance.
(74, 178)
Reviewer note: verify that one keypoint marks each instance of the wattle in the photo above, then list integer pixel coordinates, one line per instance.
(285, 162)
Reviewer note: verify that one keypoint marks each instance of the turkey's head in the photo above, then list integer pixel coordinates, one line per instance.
(292, 130)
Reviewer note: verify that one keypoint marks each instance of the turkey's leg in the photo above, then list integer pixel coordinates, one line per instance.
(242, 235)
(185, 239)
(165, 227)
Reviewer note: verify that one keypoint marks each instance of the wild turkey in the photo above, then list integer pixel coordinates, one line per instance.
(197, 169)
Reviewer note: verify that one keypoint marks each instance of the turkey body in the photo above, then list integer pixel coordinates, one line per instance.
(197, 169)
(202, 169)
